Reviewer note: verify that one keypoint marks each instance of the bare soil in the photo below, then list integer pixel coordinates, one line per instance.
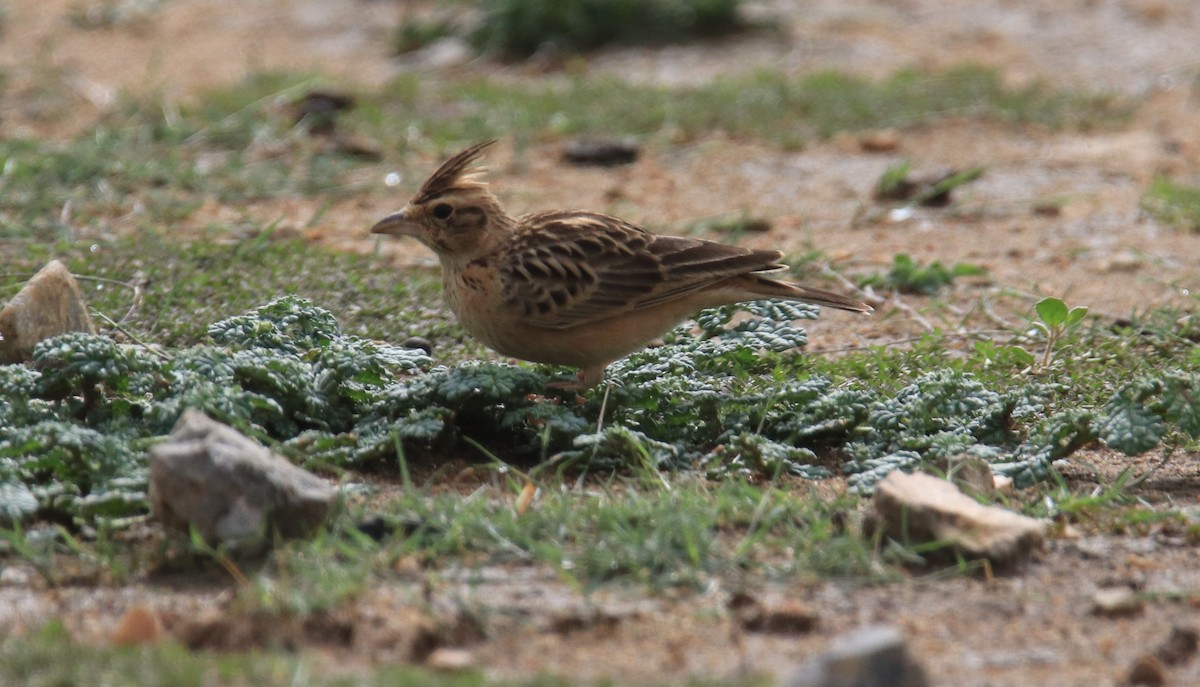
(1031, 626)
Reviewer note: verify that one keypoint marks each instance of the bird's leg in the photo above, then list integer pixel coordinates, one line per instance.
(591, 376)
(587, 378)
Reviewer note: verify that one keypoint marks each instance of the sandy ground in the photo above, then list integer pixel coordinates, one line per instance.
(1100, 250)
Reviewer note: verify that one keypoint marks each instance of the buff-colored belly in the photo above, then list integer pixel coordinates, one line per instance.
(594, 343)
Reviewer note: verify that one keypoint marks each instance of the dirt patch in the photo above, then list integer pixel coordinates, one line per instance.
(1097, 248)
(1034, 625)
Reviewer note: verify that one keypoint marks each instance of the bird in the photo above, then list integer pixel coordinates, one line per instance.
(573, 287)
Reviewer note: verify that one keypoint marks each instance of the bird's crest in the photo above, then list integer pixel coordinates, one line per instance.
(454, 174)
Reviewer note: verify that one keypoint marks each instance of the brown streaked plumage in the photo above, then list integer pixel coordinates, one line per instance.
(574, 287)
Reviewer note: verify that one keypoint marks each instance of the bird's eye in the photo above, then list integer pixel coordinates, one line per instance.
(443, 210)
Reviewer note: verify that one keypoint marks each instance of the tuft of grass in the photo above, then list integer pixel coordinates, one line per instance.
(684, 535)
(518, 28)
(107, 14)
(147, 166)
(1173, 203)
(181, 288)
(417, 32)
(932, 190)
(621, 532)
(764, 105)
(144, 165)
(51, 658)
(910, 276)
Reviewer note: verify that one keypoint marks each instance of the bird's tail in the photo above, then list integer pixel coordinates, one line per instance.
(772, 288)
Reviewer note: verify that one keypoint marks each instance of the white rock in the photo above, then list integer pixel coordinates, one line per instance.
(49, 304)
(923, 508)
(1117, 602)
(445, 53)
(232, 490)
(874, 656)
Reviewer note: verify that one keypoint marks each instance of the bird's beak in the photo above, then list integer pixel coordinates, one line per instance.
(396, 224)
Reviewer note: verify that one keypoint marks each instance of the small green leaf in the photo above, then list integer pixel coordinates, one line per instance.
(1021, 355)
(893, 177)
(17, 502)
(967, 269)
(1128, 425)
(1076, 314)
(1052, 311)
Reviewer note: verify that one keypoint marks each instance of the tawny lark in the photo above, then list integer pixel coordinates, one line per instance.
(574, 287)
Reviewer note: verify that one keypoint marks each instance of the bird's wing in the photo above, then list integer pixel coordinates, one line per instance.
(565, 269)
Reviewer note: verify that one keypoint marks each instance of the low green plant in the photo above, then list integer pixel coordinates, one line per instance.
(161, 290)
(1174, 203)
(910, 276)
(518, 28)
(725, 400)
(896, 184)
(415, 33)
(893, 179)
(1055, 319)
(152, 168)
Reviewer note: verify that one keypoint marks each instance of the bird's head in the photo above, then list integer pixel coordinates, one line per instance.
(453, 213)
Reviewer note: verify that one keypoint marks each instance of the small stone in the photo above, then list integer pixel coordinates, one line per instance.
(923, 508)
(319, 110)
(931, 188)
(354, 146)
(13, 576)
(232, 490)
(1092, 548)
(450, 659)
(375, 527)
(1147, 670)
(785, 617)
(445, 53)
(1122, 262)
(1180, 646)
(875, 656)
(49, 304)
(418, 342)
(601, 152)
(880, 141)
(139, 625)
(1117, 602)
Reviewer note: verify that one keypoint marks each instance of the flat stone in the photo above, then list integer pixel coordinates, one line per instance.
(601, 152)
(139, 625)
(875, 656)
(921, 508)
(418, 342)
(1180, 646)
(879, 141)
(48, 305)
(445, 53)
(1117, 602)
(233, 491)
(1147, 670)
(784, 616)
(450, 659)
